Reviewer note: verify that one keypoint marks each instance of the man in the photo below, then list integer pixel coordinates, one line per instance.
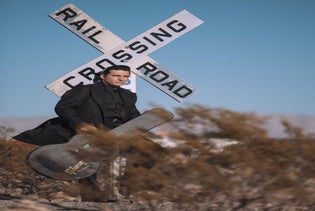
(88, 107)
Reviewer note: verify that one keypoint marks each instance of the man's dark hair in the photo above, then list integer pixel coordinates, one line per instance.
(116, 67)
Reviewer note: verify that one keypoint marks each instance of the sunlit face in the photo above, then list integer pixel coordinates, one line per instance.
(116, 77)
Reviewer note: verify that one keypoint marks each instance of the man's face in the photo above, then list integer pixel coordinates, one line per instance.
(116, 77)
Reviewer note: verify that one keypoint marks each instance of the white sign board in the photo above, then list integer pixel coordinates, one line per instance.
(93, 33)
(133, 53)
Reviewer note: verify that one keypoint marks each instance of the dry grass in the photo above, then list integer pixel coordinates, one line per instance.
(259, 172)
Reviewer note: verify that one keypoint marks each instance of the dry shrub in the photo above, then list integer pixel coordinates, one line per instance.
(258, 170)
(258, 163)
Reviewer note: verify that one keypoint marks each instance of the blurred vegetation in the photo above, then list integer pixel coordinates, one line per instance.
(257, 172)
(258, 169)
(4, 131)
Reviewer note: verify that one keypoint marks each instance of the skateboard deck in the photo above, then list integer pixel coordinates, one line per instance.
(79, 158)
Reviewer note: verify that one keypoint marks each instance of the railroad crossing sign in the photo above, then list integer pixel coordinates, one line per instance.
(133, 52)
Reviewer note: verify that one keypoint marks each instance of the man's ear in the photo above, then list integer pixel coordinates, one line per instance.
(103, 76)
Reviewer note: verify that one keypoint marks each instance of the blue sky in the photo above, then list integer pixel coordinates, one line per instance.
(248, 56)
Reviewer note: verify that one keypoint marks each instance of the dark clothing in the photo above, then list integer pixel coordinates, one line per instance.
(98, 104)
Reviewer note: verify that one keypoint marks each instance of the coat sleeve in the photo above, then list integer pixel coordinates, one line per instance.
(67, 106)
(133, 112)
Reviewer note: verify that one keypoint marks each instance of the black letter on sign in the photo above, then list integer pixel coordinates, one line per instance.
(174, 29)
(134, 46)
(89, 29)
(160, 79)
(123, 54)
(170, 84)
(79, 24)
(69, 85)
(71, 13)
(147, 67)
(86, 72)
(157, 35)
(99, 63)
(182, 91)
(93, 35)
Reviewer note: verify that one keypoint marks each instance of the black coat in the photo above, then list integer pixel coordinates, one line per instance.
(93, 104)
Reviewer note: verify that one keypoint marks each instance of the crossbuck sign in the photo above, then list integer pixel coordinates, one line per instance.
(133, 52)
